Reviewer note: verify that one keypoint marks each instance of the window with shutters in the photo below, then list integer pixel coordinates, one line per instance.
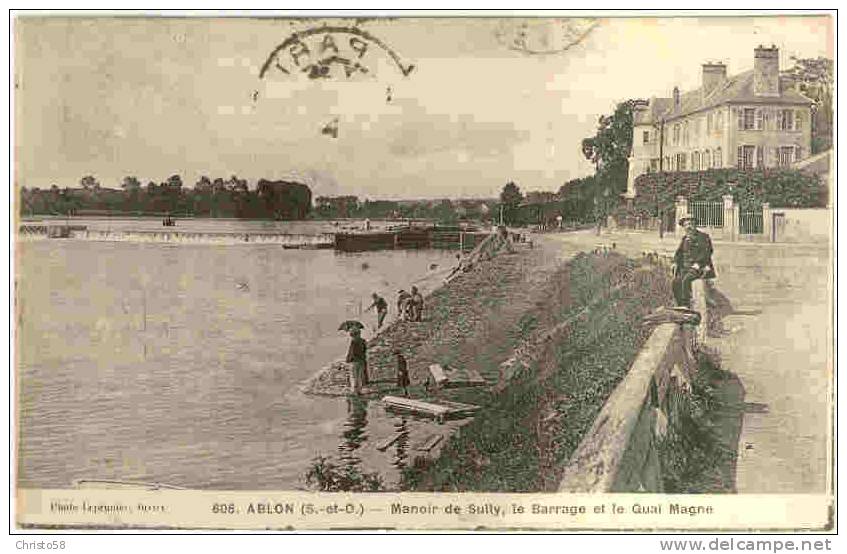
(718, 162)
(746, 118)
(786, 156)
(760, 119)
(645, 137)
(785, 120)
(798, 153)
(798, 118)
(745, 156)
(760, 156)
(695, 161)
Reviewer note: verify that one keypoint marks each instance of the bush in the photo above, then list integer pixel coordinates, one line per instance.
(326, 476)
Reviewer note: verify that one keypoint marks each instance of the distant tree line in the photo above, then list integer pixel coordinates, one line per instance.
(209, 198)
(441, 210)
(577, 202)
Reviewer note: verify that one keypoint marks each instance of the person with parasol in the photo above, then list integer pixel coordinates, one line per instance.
(357, 355)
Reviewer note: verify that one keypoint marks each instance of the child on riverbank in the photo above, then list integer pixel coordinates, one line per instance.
(416, 304)
(402, 373)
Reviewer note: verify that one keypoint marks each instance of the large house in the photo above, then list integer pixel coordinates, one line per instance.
(750, 120)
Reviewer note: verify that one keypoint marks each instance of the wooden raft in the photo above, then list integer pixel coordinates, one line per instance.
(440, 411)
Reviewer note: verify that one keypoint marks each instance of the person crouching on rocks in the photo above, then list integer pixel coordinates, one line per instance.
(403, 299)
(357, 358)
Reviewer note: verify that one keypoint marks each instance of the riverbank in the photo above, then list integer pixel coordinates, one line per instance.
(551, 338)
(524, 434)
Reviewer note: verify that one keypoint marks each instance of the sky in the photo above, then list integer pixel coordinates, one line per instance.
(151, 97)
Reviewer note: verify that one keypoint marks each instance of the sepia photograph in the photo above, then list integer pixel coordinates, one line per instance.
(423, 271)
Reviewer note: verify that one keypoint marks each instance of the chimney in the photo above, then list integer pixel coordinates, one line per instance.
(713, 75)
(676, 98)
(766, 71)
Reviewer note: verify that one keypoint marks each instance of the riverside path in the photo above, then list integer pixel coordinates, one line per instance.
(777, 340)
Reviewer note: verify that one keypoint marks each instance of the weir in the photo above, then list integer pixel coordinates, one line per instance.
(292, 240)
(449, 238)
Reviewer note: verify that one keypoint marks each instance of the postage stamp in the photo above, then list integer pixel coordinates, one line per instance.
(424, 273)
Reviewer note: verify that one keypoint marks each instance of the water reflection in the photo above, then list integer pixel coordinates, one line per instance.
(353, 434)
(401, 445)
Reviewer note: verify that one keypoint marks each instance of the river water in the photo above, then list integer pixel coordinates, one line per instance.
(182, 364)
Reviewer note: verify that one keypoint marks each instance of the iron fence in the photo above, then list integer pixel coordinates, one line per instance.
(750, 222)
(706, 214)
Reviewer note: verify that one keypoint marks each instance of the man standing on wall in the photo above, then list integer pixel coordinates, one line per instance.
(692, 261)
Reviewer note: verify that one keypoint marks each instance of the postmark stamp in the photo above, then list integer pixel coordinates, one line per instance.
(540, 37)
(330, 51)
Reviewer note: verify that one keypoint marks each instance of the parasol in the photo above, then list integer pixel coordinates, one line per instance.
(349, 325)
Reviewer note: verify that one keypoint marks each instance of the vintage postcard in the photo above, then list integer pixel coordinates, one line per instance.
(424, 272)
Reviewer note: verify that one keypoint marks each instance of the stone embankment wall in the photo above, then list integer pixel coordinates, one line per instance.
(620, 451)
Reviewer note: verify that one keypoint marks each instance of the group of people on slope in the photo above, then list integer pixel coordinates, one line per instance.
(409, 306)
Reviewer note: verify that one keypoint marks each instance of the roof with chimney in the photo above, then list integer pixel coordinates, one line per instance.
(737, 89)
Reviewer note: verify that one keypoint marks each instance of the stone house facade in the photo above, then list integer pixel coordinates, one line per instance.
(750, 120)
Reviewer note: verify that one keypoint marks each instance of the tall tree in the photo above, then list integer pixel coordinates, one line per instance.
(814, 79)
(609, 148)
(132, 193)
(510, 199)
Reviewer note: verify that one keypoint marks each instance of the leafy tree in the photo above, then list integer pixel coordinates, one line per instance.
(130, 184)
(444, 212)
(89, 183)
(174, 183)
(132, 194)
(609, 148)
(203, 185)
(814, 79)
(510, 199)
(284, 199)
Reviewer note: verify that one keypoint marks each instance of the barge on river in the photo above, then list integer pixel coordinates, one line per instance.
(410, 237)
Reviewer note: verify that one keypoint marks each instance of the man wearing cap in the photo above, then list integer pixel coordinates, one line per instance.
(692, 261)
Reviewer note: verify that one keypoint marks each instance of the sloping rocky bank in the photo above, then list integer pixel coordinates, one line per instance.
(479, 306)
